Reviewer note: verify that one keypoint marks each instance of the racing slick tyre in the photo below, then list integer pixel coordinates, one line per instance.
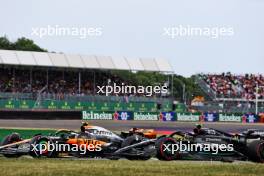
(256, 151)
(133, 140)
(166, 153)
(40, 147)
(9, 139)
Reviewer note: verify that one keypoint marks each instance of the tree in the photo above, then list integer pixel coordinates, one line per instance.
(23, 44)
(5, 43)
(155, 78)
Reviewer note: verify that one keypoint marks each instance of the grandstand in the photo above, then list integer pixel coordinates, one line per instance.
(53, 81)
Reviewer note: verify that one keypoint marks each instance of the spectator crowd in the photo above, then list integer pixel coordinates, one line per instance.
(227, 85)
(57, 82)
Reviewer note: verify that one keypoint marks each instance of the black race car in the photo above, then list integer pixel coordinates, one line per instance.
(212, 144)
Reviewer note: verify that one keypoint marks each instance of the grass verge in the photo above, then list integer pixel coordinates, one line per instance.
(69, 167)
(25, 133)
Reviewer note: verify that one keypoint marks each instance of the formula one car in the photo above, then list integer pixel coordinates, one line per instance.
(212, 144)
(92, 141)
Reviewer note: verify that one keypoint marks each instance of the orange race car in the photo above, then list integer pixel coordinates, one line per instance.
(91, 141)
(147, 133)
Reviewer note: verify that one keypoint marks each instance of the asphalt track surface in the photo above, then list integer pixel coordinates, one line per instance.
(126, 125)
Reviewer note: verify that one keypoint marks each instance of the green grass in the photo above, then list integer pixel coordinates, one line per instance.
(68, 167)
(25, 133)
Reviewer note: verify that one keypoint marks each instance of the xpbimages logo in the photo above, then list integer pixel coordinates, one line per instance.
(62, 31)
(215, 32)
(46, 147)
(183, 147)
(125, 89)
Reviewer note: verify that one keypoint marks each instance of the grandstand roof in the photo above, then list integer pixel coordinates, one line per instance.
(28, 58)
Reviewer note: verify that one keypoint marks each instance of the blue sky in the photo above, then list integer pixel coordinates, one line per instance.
(134, 28)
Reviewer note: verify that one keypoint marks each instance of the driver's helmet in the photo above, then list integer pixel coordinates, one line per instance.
(197, 129)
(198, 126)
(133, 130)
(85, 123)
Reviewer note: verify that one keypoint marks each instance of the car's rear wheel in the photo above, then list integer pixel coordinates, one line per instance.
(9, 139)
(164, 147)
(256, 151)
(41, 147)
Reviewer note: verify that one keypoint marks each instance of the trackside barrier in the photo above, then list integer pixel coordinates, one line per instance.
(172, 116)
(61, 105)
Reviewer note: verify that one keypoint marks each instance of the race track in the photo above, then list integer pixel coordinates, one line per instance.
(126, 125)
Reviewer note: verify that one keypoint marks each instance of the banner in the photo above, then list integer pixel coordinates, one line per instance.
(118, 106)
(97, 115)
(123, 115)
(188, 117)
(65, 105)
(251, 118)
(167, 116)
(50, 104)
(210, 117)
(230, 118)
(79, 106)
(166, 107)
(83, 105)
(146, 116)
(181, 108)
(9, 104)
